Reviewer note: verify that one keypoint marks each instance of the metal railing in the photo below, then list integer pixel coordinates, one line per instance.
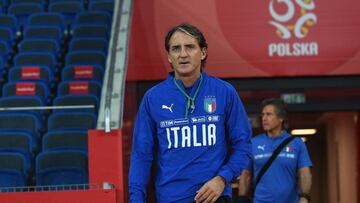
(47, 188)
(34, 108)
(111, 105)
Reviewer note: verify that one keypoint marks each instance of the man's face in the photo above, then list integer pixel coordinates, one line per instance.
(270, 121)
(185, 54)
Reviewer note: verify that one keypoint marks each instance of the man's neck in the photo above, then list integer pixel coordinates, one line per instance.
(188, 81)
(274, 133)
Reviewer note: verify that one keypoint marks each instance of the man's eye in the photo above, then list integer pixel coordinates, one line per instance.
(175, 49)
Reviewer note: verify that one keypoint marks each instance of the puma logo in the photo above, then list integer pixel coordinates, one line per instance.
(167, 107)
(261, 147)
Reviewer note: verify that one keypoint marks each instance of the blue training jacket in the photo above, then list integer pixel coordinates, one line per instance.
(188, 151)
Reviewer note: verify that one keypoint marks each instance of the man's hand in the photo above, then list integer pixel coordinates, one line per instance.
(211, 190)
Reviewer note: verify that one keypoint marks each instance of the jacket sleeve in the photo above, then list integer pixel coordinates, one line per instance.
(142, 153)
(239, 132)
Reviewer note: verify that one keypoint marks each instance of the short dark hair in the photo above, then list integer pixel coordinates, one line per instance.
(279, 107)
(193, 31)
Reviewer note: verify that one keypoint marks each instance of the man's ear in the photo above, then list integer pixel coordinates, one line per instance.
(169, 59)
(203, 53)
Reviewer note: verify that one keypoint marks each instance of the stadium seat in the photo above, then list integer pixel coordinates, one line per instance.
(35, 59)
(79, 88)
(24, 101)
(19, 101)
(19, 142)
(23, 10)
(65, 140)
(85, 31)
(44, 32)
(104, 5)
(68, 9)
(2, 67)
(89, 44)
(27, 88)
(54, 1)
(21, 122)
(86, 58)
(9, 21)
(75, 100)
(61, 168)
(3, 4)
(8, 34)
(72, 73)
(93, 18)
(71, 121)
(31, 73)
(4, 50)
(40, 45)
(12, 169)
(47, 19)
(27, 1)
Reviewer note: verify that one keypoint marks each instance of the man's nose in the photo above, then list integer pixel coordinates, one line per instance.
(183, 52)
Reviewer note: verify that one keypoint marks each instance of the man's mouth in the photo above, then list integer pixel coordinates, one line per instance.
(184, 62)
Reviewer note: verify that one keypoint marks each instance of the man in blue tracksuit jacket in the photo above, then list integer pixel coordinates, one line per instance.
(193, 126)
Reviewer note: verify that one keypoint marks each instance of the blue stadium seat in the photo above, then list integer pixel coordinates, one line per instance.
(23, 10)
(28, 88)
(104, 5)
(13, 171)
(93, 18)
(85, 31)
(5, 50)
(40, 45)
(27, 1)
(10, 177)
(21, 122)
(89, 44)
(10, 21)
(47, 19)
(44, 32)
(68, 9)
(71, 121)
(61, 168)
(71, 100)
(54, 1)
(86, 58)
(3, 3)
(72, 73)
(65, 140)
(79, 88)
(8, 34)
(31, 73)
(2, 67)
(19, 142)
(35, 59)
(24, 101)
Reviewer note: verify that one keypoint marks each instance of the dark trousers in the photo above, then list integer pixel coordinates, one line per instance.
(224, 199)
